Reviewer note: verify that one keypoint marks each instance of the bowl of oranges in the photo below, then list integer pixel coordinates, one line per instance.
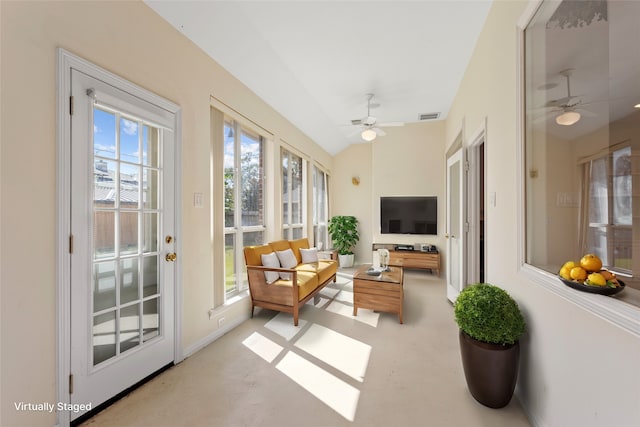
(587, 275)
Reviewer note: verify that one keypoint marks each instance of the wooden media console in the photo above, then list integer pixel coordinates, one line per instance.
(411, 259)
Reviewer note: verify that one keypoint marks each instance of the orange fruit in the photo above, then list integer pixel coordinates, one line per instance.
(578, 273)
(591, 263)
(570, 264)
(565, 273)
(596, 279)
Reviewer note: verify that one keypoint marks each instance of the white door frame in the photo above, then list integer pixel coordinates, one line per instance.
(67, 61)
(473, 201)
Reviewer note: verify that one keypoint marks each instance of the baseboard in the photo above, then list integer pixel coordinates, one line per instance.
(205, 341)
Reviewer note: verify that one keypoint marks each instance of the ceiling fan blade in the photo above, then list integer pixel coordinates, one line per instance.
(390, 124)
(379, 131)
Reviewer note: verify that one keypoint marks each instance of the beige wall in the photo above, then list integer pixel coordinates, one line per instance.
(408, 161)
(130, 40)
(576, 369)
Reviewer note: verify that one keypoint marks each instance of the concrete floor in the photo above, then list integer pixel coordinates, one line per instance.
(333, 370)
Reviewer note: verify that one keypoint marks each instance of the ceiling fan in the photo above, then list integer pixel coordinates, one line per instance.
(369, 128)
(566, 106)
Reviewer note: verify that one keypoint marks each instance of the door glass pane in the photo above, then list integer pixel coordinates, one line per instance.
(150, 188)
(128, 280)
(104, 337)
(129, 178)
(104, 245)
(104, 291)
(150, 232)
(129, 327)
(104, 178)
(129, 140)
(150, 319)
(150, 276)
(128, 233)
(104, 135)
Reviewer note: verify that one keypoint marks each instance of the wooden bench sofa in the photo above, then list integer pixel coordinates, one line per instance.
(286, 288)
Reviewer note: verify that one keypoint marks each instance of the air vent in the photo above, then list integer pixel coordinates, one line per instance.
(429, 116)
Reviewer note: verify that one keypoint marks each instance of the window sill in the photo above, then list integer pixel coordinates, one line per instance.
(619, 313)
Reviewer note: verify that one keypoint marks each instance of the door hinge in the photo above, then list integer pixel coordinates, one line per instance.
(71, 244)
(466, 166)
(70, 383)
(71, 105)
(466, 227)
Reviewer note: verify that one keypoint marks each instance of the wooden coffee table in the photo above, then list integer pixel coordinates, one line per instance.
(381, 293)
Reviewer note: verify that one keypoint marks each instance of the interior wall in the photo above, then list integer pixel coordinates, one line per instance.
(408, 161)
(565, 374)
(132, 41)
(350, 199)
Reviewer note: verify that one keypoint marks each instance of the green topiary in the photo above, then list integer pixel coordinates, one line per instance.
(487, 313)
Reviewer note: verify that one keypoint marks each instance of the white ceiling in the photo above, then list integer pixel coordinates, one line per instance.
(315, 61)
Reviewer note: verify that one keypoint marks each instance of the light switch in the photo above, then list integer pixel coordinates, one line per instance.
(197, 200)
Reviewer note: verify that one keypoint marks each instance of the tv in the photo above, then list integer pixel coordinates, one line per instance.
(409, 215)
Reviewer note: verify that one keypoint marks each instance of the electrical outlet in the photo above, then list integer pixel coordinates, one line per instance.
(221, 321)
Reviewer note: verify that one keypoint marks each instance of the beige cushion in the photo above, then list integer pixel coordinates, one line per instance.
(287, 260)
(309, 255)
(270, 260)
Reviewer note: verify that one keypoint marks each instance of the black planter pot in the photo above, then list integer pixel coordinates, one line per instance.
(491, 370)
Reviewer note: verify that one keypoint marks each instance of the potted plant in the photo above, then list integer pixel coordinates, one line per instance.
(344, 234)
(490, 325)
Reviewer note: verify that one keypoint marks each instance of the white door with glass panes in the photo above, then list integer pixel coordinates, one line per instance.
(455, 225)
(123, 259)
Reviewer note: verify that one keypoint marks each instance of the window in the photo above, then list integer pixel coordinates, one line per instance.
(244, 220)
(293, 196)
(608, 233)
(320, 208)
(582, 137)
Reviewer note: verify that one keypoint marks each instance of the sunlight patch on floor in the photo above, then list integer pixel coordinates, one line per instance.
(346, 354)
(365, 315)
(262, 346)
(337, 394)
(282, 324)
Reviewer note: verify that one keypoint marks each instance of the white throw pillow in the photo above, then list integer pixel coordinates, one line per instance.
(309, 255)
(287, 260)
(270, 260)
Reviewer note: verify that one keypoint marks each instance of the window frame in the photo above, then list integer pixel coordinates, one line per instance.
(621, 314)
(289, 228)
(316, 220)
(237, 229)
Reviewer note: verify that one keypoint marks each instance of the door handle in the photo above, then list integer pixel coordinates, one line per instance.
(171, 257)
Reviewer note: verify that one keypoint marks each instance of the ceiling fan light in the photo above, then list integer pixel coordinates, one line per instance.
(568, 118)
(368, 135)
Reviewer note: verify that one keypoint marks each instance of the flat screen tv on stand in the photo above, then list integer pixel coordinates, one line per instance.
(409, 215)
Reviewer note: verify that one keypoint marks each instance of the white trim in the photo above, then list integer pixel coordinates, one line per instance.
(618, 313)
(67, 61)
(473, 201)
(205, 341)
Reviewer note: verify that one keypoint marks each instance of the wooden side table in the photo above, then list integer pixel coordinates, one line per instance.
(383, 292)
